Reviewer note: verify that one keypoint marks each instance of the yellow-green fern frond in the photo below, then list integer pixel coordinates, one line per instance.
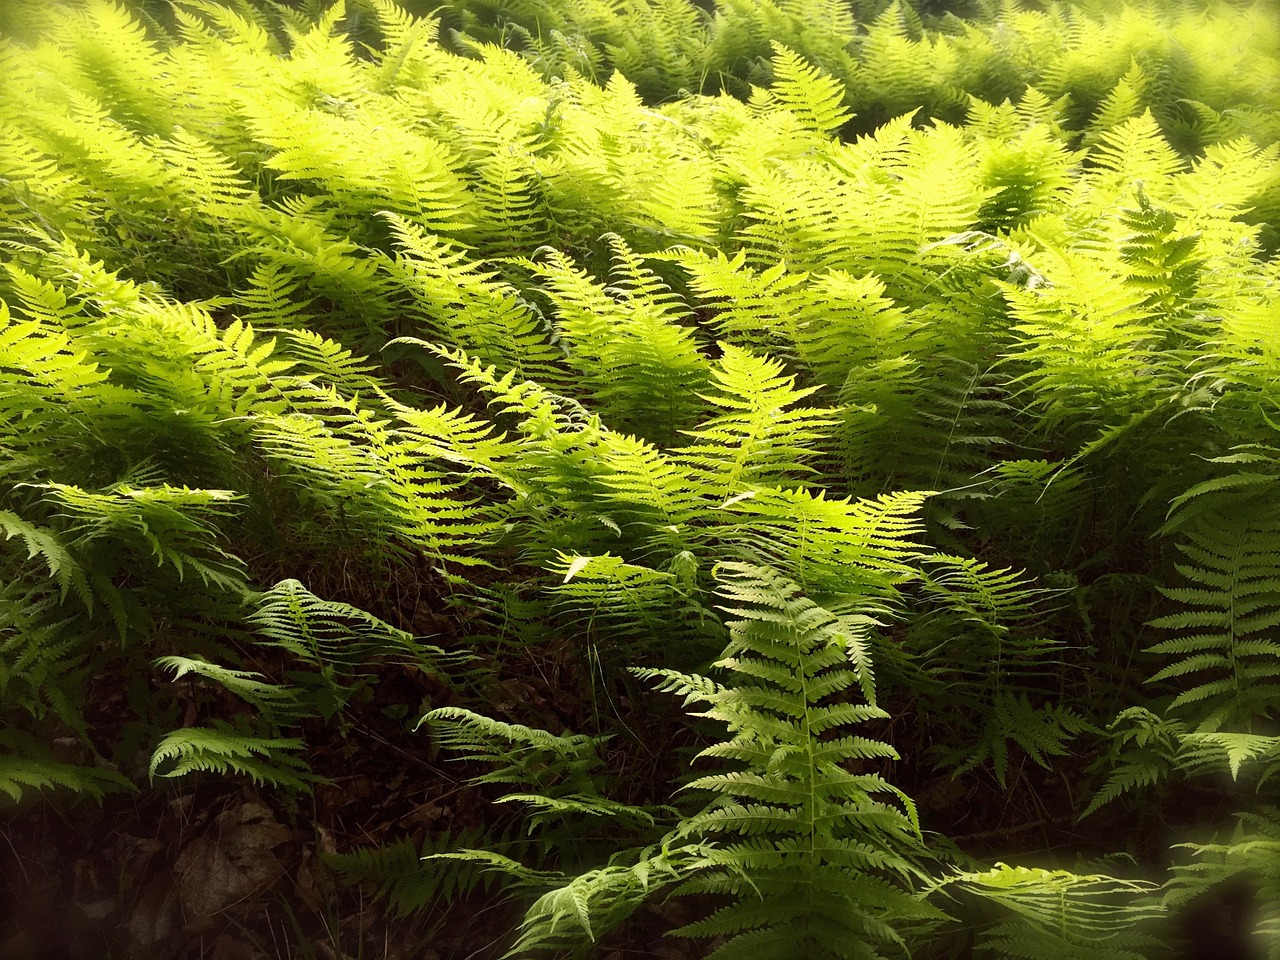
(763, 437)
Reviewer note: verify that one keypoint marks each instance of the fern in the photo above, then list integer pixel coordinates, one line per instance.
(811, 856)
(609, 600)
(1143, 750)
(1017, 254)
(758, 440)
(625, 343)
(1250, 852)
(47, 545)
(591, 904)
(1223, 660)
(336, 637)
(464, 307)
(222, 748)
(981, 663)
(520, 755)
(162, 522)
(816, 100)
(411, 876)
(26, 766)
(1060, 913)
(269, 698)
(564, 802)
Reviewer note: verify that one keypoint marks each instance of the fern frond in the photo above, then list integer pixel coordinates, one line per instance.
(409, 876)
(27, 766)
(1042, 731)
(1059, 913)
(334, 635)
(48, 546)
(591, 904)
(816, 99)
(269, 698)
(1250, 853)
(625, 342)
(357, 467)
(1209, 749)
(1143, 750)
(611, 597)
(174, 526)
(223, 749)
(520, 755)
(1231, 603)
(1135, 151)
(758, 440)
(821, 857)
(463, 305)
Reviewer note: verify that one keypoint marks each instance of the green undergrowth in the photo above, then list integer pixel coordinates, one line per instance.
(851, 414)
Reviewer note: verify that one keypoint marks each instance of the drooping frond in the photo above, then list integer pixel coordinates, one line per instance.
(221, 748)
(411, 876)
(1060, 913)
(333, 635)
(27, 765)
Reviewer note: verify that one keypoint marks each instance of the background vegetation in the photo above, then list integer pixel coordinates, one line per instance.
(535, 476)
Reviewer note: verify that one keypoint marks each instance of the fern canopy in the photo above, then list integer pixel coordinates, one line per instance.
(397, 409)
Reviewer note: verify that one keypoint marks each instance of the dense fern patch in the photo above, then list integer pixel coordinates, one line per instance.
(789, 474)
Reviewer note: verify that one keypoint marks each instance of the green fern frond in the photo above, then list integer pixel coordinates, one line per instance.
(464, 306)
(595, 902)
(328, 364)
(273, 298)
(1227, 666)
(662, 49)
(758, 440)
(410, 876)
(1250, 854)
(173, 526)
(23, 773)
(414, 175)
(800, 87)
(520, 755)
(1143, 750)
(48, 546)
(1060, 913)
(358, 468)
(611, 597)
(269, 698)
(1201, 750)
(625, 342)
(832, 546)
(1086, 340)
(1041, 731)
(302, 242)
(46, 661)
(1135, 151)
(334, 635)
(222, 749)
(808, 853)
(1127, 100)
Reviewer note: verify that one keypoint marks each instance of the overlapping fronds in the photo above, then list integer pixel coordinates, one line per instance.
(356, 365)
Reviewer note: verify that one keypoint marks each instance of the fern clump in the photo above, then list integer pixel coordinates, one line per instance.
(892, 381)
